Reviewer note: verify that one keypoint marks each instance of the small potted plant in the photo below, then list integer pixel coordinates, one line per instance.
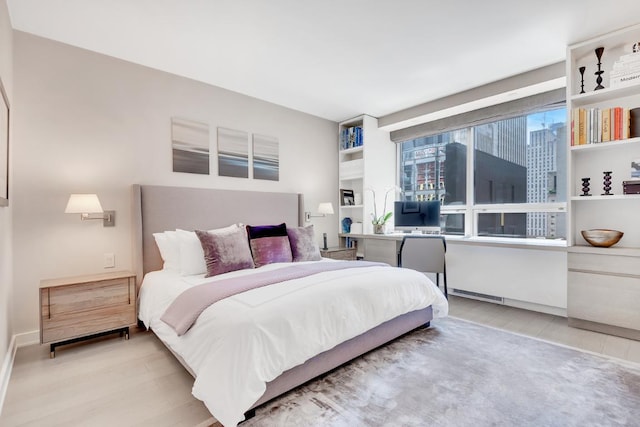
(379, 221)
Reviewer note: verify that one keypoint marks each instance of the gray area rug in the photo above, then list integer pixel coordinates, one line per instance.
(458, 373)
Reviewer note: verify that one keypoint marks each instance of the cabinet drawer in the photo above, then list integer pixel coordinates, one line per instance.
(83, 297)
(612, 300)
(604, 263)
(381, 251)
(81, 324)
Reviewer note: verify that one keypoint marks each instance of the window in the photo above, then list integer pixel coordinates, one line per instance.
(514, 185)
(433, 168)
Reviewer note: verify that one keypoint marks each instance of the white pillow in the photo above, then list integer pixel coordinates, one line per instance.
(191, 253)
(169, 250)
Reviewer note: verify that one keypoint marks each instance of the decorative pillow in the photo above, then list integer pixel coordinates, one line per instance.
(267, 250)
(256, 232)
(303, 244)
(192, 260)
(225, 251)
(269, 243)
(169, 249)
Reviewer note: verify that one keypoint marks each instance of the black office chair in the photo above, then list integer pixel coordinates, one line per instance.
(425, 254)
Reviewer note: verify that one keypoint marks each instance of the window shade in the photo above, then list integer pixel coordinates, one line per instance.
(552, 99)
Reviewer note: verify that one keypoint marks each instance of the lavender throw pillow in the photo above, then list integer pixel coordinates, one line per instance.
(303, 244)
(267, 250)
(225, 251)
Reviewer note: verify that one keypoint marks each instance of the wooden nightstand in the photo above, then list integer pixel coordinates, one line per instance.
(77, 308)
(347, 254)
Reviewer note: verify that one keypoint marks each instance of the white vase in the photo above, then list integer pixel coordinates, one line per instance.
(378, 228)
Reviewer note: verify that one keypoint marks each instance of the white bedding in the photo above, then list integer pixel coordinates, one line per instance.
(242, 342)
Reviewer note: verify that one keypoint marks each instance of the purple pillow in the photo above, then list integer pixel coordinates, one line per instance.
(303, 244)
(267, 250)
(225, 251)
(256, 232)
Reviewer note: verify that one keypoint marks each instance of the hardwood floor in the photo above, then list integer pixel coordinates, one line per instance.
(113, 382)
(543, 326)
(108, 382)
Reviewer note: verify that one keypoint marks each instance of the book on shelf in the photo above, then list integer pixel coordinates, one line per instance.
(595, 125)
(606, 125)
(351, 137)
(574, 128)
(626, 123)
(350, 242)
(582, 119)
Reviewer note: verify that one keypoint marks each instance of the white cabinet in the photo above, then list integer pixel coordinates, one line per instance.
(604, 290)
(365, 167)
(600, 287)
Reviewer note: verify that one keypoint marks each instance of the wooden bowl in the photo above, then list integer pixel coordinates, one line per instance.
(601, 237)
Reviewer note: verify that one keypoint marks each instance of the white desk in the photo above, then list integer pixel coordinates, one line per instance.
(379, 247)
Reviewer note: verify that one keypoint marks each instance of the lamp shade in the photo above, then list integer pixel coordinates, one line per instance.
(325, 208)
(83, 203)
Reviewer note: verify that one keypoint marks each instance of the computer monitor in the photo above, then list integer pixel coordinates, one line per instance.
(421, 216)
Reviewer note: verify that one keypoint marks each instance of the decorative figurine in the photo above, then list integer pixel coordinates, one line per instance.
(581, 69)
(346, 224)
(598, 73)
(606, 186)
(585, 186)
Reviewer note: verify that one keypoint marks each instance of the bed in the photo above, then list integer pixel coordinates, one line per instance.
(240, 353)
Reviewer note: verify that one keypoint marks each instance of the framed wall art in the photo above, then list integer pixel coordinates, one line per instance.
(190, 146)
(266, 162)
(233, 153)
(346, 197)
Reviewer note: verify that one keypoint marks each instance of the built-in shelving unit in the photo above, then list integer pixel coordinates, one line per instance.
(363, 169)
(592, 160)
(603, 283)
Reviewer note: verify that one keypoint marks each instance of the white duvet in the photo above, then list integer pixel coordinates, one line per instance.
(242, 342)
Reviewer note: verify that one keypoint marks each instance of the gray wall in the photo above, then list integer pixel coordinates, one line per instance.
(6, 276)
(86, 122)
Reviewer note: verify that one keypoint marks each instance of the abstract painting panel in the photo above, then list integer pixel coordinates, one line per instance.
(266, 161)
(190, 143)
(233, 153)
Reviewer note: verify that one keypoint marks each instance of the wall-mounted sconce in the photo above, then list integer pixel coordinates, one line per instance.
(88, 204)
(324, 209)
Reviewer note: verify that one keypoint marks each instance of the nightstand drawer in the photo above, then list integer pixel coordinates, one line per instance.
(82, 297)
(76, 325)
(345, 254)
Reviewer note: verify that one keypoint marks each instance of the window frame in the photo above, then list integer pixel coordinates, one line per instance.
(471, 210)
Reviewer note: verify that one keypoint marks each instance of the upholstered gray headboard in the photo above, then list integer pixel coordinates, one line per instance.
(158, 208)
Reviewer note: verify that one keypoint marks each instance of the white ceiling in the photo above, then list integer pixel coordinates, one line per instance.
(331, 58)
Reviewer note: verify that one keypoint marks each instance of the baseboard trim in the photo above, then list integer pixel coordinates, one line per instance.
(27, 338)
(531, 306)
(17, 341)
(632, 334)
(477, 295)
(5, 373)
